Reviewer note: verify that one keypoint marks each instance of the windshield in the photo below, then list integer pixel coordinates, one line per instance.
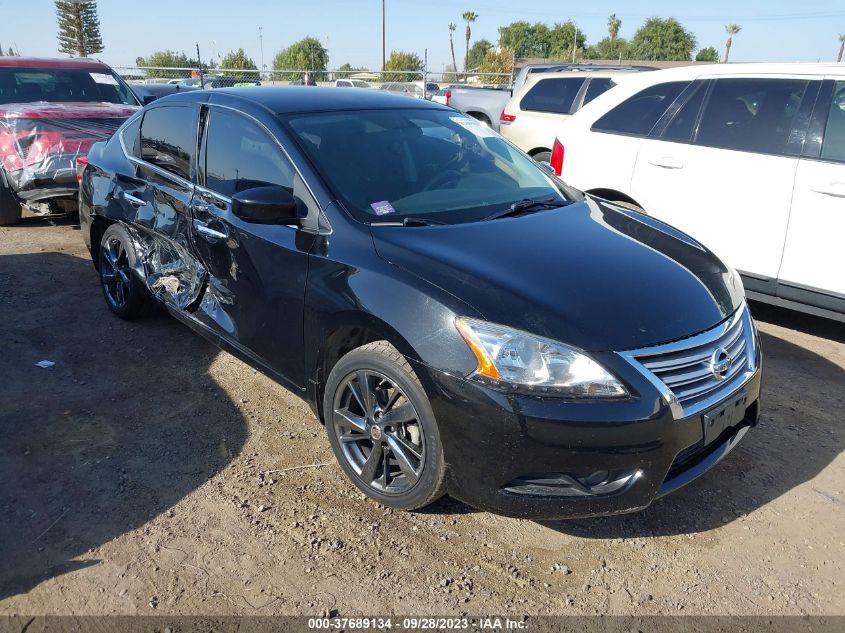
(68, 85)
(439, 165)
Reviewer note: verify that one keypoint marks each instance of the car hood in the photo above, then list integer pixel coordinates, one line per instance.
(81, 110)
(588, 274)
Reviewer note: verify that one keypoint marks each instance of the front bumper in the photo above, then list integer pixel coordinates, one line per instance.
(507, 453)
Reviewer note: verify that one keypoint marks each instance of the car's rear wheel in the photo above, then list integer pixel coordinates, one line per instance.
(382, 429)
(126, 295)
(10, 208)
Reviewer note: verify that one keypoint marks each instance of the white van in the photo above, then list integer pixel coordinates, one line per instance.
(749, 159)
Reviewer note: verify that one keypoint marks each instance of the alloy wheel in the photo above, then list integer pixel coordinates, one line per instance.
(379, 432)
(115, 272)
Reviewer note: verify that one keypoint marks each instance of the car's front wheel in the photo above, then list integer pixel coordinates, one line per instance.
(10, 209)
(125, 293)
(382, 429)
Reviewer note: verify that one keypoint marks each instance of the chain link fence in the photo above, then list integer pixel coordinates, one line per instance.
(414, 82)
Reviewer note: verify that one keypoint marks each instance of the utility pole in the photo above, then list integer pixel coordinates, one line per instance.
(383, 46)
(261, 44)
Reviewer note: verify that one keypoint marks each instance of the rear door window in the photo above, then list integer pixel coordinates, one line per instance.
(638, 114)
(552, 95)
(683, 123)
(240, 155)
(751, 114)
(597, 87)
(169, 138)
(833, 146)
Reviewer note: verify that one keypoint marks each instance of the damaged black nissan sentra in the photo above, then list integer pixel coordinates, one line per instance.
(459, 319)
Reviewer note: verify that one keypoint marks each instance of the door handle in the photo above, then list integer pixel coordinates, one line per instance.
(667, 162)
(135, 202)
(210, 234)
(836, 189)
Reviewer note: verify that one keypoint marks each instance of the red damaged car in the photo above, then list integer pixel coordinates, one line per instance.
(51, 112)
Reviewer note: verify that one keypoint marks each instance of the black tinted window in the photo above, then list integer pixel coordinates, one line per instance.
(131, 138)
(552, 95)
(833, 147)
(168, 138)
(753, 115)
(597, 87)
(242, 156)
(683, 124)
(638, 114)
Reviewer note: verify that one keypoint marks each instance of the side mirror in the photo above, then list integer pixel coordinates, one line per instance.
(147, 99)
(266, 205)
(548, 167)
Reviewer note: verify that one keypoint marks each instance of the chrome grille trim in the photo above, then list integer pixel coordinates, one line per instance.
(681, 369)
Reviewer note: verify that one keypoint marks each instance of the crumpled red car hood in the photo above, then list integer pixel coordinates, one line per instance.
(39, 142)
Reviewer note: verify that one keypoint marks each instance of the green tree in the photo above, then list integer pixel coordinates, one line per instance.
(616, 48)
(402, 66)
(79, 28)
(662, 39)
(731, 30)
(613, 26)
(838, 57)
(497, 61)
(708, 54)
(452, 28)
(477, 53)
(167, 59)
(469, 17)
(563, 39)
(11, 52)
(238, 60)
(306, 54)
(347, 69)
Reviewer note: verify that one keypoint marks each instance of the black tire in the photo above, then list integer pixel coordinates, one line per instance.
(542, 157)
(125, 292)
(10, 209)
(384, 367)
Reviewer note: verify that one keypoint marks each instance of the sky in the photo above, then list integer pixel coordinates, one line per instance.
(772, 30)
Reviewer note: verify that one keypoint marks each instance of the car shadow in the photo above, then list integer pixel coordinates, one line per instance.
(127, 422)
(795, 440)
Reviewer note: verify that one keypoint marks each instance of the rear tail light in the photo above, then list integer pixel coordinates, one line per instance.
(557, 157)
(448, 96)
(507, 118)
(81, 164)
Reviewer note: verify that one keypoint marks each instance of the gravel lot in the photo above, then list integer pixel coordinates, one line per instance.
(147, 472)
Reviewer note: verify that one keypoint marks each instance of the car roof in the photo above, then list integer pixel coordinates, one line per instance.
(712, 70)
(50, 62)
(293, 99)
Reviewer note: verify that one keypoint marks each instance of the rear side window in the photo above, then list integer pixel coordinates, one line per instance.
(131, 137)
(638, 114)
(552, 95)
(833, 147)
(752, 115)
(240, 156)
(168, 138)
(683, 124)
(597, 87)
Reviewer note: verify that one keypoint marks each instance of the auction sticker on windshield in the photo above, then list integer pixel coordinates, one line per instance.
(383, 207)
(103, 78)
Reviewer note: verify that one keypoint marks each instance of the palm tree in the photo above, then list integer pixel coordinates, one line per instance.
(731, 30)
(613, 26)
(469, 18)
(841, 47)
(452, 28)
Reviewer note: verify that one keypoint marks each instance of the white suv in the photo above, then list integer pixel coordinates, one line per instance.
(749, 159)
(544, 100)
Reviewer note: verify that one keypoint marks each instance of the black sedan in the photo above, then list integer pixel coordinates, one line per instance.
(458, 319)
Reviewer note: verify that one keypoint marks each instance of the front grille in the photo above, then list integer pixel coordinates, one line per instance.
(686, 367)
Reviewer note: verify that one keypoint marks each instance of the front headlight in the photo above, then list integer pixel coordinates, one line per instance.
(519, 361)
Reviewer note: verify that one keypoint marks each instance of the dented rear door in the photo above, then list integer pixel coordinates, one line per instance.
(162, 209)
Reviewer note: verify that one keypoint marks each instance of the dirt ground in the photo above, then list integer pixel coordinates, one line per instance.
(148, 472)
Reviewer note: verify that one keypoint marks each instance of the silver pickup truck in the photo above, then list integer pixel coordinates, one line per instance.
(484, 104)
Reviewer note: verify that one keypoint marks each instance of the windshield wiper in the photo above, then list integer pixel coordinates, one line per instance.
(529, 204)
(411, 222)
